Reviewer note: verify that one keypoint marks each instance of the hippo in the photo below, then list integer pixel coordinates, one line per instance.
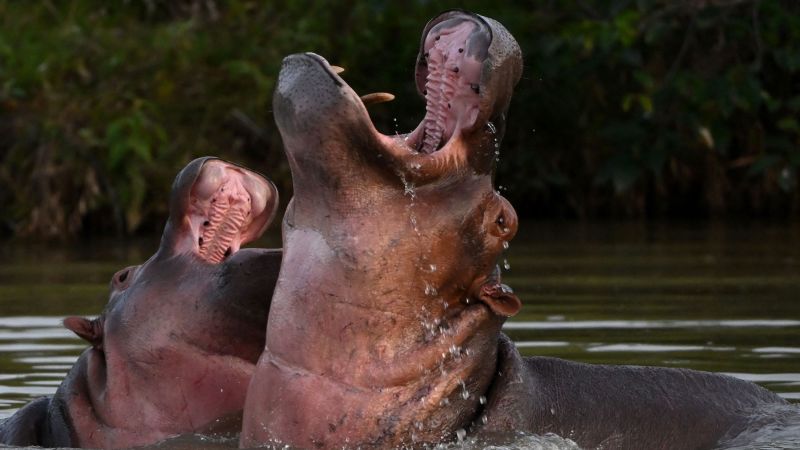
(385, 323)
(175, 347)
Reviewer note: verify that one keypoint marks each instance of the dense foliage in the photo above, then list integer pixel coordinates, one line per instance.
(650, 108)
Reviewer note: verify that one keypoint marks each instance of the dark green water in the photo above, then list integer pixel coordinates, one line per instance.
(710, 297)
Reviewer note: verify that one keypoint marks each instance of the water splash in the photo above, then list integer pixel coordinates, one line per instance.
(430, 290)
(464, 390)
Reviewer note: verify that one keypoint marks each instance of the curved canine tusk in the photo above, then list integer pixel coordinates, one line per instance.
(376, 97)
(337, 70)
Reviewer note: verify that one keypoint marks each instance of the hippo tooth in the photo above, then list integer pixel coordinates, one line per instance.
(376, 97)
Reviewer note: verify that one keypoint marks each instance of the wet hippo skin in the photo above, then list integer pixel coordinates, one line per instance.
(385, 322)
(175, 347)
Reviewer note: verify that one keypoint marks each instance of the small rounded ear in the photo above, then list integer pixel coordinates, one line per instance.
(89, 330)
(500, 298)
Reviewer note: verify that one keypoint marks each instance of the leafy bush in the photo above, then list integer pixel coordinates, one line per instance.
(626, 108)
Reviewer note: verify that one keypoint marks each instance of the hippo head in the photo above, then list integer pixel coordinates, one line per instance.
(466, 70)
(175, 346)
(389, 298)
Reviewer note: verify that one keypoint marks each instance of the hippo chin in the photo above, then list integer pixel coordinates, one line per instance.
(175, 347)
(385, 322)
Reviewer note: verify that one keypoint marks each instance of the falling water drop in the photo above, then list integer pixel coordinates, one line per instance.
(492, 128)
(430, 290)
(461, 434)
(506, 265)
(482, 399)
(505, 245)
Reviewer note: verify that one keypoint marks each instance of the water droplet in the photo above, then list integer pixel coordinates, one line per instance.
(553, 411)
(461, 434)
(433, 268)
(505, 245)
(484, 419)
(506, 265)
(430, 291)
(492, 128)
(482, 400)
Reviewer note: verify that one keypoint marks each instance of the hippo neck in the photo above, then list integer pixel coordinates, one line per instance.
(424, 393)
(384, 320)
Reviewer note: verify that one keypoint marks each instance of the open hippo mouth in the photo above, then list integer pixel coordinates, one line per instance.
(217, 207)
(466, 70)
(449, 76)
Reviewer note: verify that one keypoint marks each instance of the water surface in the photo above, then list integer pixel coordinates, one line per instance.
(703, 296)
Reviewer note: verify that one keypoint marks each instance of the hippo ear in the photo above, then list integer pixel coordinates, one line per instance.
(89, 330)
(215, 208)
(500, 298)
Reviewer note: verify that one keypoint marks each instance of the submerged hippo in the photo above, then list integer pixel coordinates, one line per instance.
(385, 322)
(176, 345)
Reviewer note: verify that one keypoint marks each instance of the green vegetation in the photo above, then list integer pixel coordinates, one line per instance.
(626, 108)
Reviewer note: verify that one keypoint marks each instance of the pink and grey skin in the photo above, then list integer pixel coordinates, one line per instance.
(389, 301)
(175, 347)
(384, 329)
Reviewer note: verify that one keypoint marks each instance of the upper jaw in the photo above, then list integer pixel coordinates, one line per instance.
(313, 104)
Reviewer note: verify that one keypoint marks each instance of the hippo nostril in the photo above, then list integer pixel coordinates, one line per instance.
(122, 277)
(206, 223)
(227, 252)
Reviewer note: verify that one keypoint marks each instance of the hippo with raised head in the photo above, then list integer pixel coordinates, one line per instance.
(385, 322)
(175, 347)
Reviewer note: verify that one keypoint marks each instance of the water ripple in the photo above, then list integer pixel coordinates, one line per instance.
(643, 324)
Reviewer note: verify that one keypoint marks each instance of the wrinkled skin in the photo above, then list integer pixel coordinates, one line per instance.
(389, 302)
(385, 323)
(175, 347)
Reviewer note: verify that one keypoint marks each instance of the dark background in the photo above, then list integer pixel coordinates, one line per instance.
(627, 108)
